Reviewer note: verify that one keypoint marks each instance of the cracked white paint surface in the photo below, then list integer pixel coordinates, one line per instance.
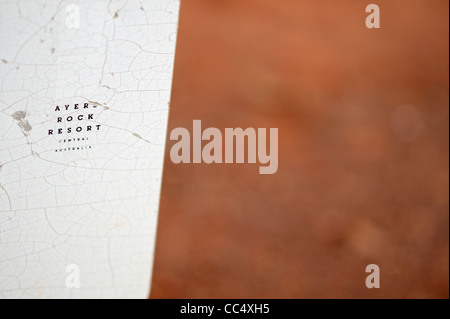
(91, 202)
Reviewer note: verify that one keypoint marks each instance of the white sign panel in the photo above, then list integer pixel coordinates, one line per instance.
(84, 99)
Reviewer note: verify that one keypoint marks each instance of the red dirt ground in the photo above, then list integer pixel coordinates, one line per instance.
(363, 117)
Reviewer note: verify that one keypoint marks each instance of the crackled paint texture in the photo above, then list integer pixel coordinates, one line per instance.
(93, 207)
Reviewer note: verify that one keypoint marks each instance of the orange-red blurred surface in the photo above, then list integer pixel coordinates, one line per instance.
(363, 117)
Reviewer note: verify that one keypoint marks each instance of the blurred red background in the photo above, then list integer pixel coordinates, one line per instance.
(363, 118)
